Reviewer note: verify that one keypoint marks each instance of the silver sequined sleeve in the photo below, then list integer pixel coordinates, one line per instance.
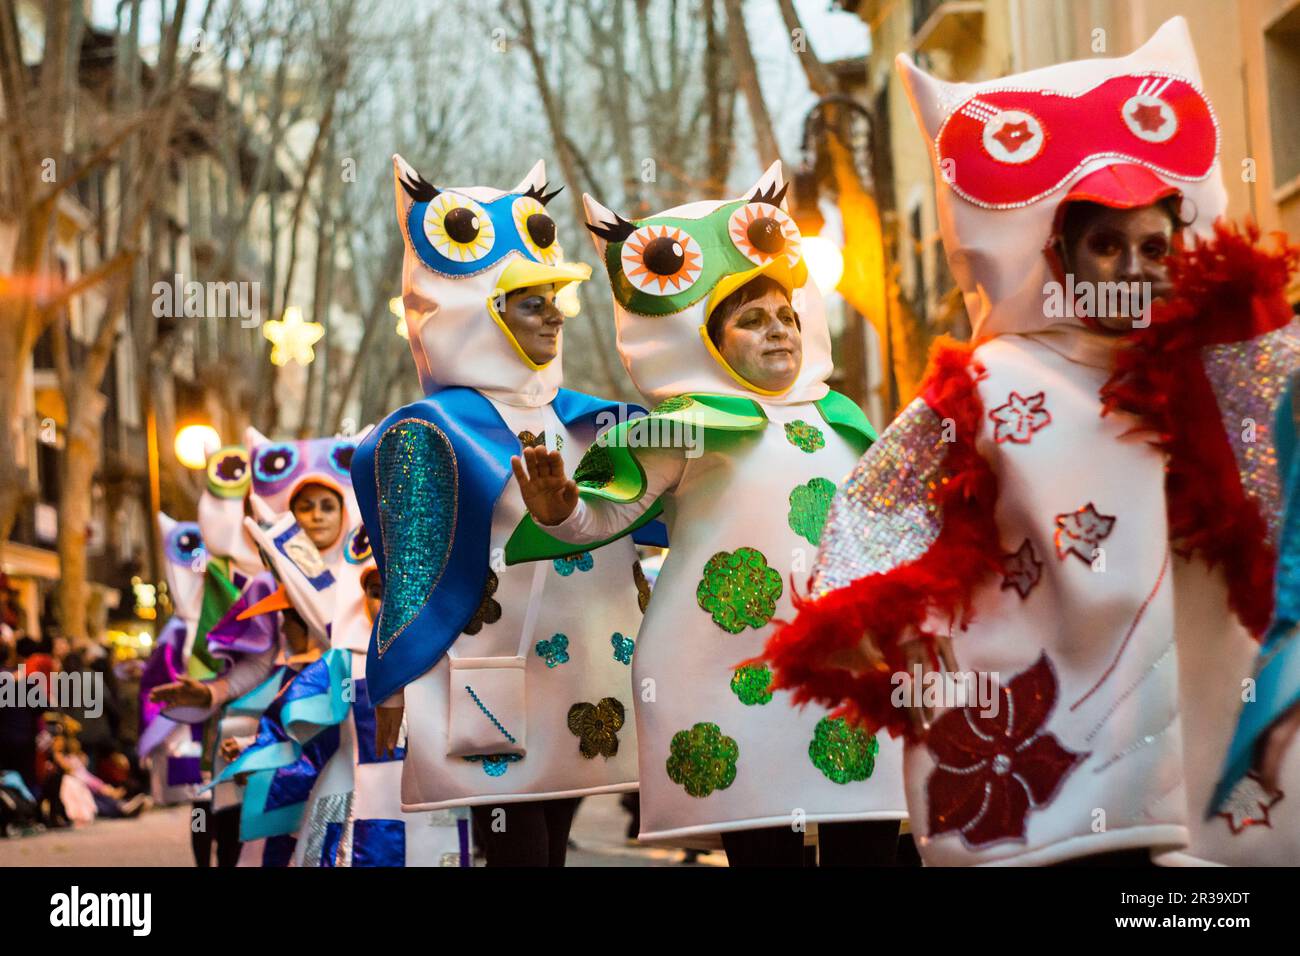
(885, 514)
(1248, 379)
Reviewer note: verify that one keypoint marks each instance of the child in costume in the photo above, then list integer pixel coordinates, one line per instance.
(1080, 505)
(514, 681)
(314, 771)
(174, 749)
(718, 325)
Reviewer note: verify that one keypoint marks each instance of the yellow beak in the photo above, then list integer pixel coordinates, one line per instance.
(779, 268)
(522, 273)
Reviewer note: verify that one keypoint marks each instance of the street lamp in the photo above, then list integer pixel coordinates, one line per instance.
(192, 444)
(825, 262)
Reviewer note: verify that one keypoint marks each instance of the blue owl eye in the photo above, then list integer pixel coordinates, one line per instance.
(358, 550)
(184, 544)
(459, 228)
(341, 458)
(275, 462)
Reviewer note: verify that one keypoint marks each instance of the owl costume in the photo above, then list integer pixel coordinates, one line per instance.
(515, 680)
(174, 749)
(1091, 518)
(743, 477)
(317, 792)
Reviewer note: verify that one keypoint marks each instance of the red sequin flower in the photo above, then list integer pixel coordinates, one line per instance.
(991, 770)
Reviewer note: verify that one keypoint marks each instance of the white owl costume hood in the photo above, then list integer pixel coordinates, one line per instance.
(221, 508)
(466, 246)
(670, 270)
(185, 560)
(1007, 153)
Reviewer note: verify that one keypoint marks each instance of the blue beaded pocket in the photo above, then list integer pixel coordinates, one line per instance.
(488, 706)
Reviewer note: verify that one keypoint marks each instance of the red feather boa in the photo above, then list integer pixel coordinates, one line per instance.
(1226, 289)
(942, 580)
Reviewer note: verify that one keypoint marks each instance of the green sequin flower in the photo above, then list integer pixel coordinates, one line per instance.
(752, 684)
(841, 751)
(596, 726)
(810, 503)
(702, 759)
(739, 589)
(674, 404)
(804, 436)
(596, 469)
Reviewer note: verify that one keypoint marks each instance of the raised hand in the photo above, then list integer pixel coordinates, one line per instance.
(549, 494)
(187, 692)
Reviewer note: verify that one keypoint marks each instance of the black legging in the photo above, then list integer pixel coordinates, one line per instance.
(525, 834)
(862, 843)
(221, 827)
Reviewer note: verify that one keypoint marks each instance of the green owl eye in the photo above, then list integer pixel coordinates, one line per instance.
(228, 472)
(762, 232)
(662, 260)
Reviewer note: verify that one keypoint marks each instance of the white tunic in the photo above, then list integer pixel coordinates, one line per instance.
(1146, 660)
(717, 752)
(571, 660)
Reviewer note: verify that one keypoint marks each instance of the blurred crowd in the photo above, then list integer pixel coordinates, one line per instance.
(62, 766)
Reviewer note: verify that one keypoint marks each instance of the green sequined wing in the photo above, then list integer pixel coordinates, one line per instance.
(610, 468)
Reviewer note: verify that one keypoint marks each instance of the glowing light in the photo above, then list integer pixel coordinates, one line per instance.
(192, 444)
(395, 306)
(292, 338)
(825, 262)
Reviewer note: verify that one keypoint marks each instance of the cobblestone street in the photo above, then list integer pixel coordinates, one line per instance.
(161, 838)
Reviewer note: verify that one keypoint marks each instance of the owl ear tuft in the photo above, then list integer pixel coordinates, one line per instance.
(541, 195)
(409, 187)
(253, 438)
(932, 98)
(771, 186)
(604, 224)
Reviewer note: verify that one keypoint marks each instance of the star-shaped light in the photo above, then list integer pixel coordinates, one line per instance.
(1022, 569)
(1081, 531)
(1249, 804)
(292, 338)
(1149, 116)
(1013, 135)
(1019, 418)
(396, 307)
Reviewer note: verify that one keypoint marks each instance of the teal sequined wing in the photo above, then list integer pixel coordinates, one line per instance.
(416, 480)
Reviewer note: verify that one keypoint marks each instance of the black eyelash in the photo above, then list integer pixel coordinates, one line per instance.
(541, 195)
(770, 195)
(616, 231)
(421, 190)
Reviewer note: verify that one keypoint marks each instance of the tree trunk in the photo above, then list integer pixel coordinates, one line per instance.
(80, 458)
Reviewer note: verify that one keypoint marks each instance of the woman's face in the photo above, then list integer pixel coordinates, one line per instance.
(762, 342)
(320, 512)
(535, 321)
(1123, 246)
(374, 596)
